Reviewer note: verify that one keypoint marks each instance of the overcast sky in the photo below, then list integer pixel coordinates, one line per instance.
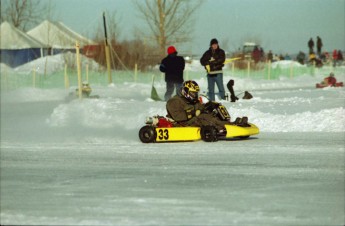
(283, 26)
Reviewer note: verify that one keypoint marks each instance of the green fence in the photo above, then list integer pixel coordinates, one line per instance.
(10, 79)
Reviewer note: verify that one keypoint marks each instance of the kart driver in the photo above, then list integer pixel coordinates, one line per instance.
(188, 111)
(330, 80)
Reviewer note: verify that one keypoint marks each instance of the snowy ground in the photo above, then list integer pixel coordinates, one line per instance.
(82, 163)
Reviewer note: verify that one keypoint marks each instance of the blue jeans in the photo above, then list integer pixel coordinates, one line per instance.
(212, 80)
(170, 89)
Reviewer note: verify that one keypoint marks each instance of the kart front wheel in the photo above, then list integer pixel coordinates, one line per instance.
(208, 133)
(147, 134)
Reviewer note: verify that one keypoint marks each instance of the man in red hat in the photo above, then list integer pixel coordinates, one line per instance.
(173, 67)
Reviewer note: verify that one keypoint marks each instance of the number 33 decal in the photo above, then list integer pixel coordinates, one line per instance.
(163, 134)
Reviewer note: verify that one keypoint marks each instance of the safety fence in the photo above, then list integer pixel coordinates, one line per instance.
(67, 77)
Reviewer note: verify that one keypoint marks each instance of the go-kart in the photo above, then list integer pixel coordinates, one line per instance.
(323, 85)
(164, 129)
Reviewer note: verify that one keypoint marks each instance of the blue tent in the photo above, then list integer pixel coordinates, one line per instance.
(18, 48)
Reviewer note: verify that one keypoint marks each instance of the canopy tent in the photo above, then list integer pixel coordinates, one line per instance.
(58, 36)
(18, 48)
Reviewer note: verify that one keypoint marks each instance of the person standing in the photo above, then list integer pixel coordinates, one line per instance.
(213, 60)
(335, 57)
(173, 67)
(270, 56)
(311, 45)
(319, 45)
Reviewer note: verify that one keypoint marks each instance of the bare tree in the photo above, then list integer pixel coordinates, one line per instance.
(23, 14)
(169, 21)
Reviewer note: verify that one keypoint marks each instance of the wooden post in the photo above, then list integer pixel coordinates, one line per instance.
(135, 72)
(6, 80)
(248, 68)
(233, 68)
(291, 70)
(269, 70)
(66, 78)
(107, 57)
(79, 70)
(107, 52)
(87, 72)
(34, 78)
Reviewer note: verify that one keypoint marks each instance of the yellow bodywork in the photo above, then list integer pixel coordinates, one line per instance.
(177, 134)
(166, 134)
(238, 131)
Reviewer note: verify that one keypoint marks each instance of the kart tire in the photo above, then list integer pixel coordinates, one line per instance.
(147, 134)
(208, 133)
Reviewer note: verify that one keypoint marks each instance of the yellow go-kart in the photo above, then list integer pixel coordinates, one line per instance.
(163, 129)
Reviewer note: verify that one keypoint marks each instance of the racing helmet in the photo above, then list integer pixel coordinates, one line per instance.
(190, 90)
(85, 83)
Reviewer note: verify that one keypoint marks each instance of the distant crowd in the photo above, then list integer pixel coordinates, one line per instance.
(317, 58)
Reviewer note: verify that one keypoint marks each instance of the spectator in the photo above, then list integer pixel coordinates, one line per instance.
(173, 67)
(256, 54)
(270, 56)
(213, 60)
(311, 46)
(340, 56)
(335, 57)
(318, 45)
(300, 57)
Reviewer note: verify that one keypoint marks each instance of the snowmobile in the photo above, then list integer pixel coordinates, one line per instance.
(164, 129)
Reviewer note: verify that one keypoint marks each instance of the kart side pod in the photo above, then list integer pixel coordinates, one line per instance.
(150, 134)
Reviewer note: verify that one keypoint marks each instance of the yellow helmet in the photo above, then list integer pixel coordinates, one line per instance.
(190, 90)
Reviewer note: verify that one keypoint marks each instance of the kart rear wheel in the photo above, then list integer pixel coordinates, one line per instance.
(208, 133)
(147, 134)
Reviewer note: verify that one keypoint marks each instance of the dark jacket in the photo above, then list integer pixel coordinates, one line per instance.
(173, 67)
(184, 113)
(311, 43)
(217, 64)
(181, 110)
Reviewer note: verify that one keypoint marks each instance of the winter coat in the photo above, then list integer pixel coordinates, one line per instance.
(340, 56)
(173, 67)
(214, 58)
(311, 44)
(319, 43)
(256, 54)
(330, 80)
(184, 112)
(335, 55)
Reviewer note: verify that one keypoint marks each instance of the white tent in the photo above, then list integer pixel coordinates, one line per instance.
(17, 47)
(57, 36)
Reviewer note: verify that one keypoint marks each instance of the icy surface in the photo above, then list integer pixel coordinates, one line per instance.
(81, 162)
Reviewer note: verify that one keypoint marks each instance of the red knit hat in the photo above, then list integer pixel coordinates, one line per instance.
(171, 49)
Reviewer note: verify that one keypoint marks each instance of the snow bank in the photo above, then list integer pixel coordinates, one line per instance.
(123, 114)
(286, 64)
(55, 63)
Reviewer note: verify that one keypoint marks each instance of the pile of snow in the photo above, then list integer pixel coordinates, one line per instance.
(55, 63)
(194, 66)
(5, 69)
(286, 64)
